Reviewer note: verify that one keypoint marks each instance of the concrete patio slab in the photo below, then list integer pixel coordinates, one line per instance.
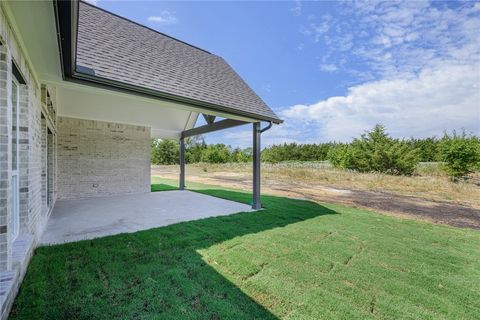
(74, 220)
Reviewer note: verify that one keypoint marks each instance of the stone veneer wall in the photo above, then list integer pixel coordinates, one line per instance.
(98, 158)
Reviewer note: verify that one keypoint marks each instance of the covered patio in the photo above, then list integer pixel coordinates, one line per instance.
(86, 92)
(162, 85)
(114, 84)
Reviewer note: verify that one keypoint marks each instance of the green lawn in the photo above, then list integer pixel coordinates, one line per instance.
(294, 260)
(158, 185)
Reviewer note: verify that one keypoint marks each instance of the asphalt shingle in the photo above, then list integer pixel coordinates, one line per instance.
(121, 50)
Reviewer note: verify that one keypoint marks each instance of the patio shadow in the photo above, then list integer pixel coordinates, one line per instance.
(152, 274)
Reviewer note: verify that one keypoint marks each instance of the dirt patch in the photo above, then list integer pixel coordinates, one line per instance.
(384, 202)
(435, 211)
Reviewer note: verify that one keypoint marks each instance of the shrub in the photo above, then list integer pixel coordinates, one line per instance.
(193, 149)
(164, 151)
(373, 151)
(196, 150)
(340, 156)
(427, 148)
(460, 154)
(239, 155)
(296, 152)
(376, 151)
(216, 153)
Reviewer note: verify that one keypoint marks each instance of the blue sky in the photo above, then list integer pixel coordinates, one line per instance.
(413, 66)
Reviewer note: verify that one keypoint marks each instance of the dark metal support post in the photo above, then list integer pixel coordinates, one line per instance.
(182, 165)
(214, 126)
(256, 166)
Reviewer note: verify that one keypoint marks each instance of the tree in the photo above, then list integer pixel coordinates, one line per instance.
(239, 155)
(216, 153)
(164, 151)
(194, 147)
(428, 149)
(376, 151)
(460, 153)
(373, 151)
(296, 152)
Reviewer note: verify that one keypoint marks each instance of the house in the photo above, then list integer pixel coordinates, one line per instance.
(82, 91)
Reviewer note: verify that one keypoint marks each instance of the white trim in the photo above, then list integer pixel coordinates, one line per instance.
(15, 172)
(46, 167)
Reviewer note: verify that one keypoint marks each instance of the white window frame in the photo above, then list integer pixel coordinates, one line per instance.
(47, 190)
(15, 171)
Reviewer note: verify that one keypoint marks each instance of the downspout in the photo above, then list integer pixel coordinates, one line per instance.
(267, 127)
(256, 203)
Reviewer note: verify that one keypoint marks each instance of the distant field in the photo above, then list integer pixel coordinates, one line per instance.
(427, 195)
(429, 181)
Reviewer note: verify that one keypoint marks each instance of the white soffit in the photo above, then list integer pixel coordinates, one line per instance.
(84, 102)
(34, 23)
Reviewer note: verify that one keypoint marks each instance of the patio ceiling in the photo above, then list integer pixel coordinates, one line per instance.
(165, 119)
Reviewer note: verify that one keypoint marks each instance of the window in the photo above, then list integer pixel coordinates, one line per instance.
(14, 180)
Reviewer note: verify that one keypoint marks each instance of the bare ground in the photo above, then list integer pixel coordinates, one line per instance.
(390, 203)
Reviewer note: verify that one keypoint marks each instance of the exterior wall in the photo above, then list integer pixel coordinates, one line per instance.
(98, 158)
(15, 253)
(5, 157)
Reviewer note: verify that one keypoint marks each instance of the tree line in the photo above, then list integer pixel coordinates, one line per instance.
(375, 150)
(196, 150)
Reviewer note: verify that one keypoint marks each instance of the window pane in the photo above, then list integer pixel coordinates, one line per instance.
(14, 125)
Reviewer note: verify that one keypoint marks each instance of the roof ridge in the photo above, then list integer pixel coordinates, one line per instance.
(143, 26)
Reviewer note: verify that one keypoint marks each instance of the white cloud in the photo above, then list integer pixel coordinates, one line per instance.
(317, 30)
(393, 37)
(328, 67)
(165, 17)
(435, 100)
(94, 2)
(419, 63)
(297, 9)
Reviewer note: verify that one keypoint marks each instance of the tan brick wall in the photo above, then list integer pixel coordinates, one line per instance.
(5, 156)
(30, 170)
(98, 158)
(14, 255)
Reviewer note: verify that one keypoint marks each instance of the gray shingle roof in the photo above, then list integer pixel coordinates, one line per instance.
(121, 50)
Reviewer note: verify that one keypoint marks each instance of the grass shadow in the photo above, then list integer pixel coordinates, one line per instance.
(156, 187)
(153, 274)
